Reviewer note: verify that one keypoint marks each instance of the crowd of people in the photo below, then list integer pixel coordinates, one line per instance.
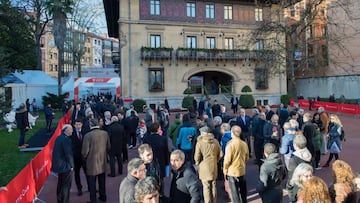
(199, 148)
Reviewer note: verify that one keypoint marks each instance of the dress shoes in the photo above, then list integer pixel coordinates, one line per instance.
(79, 193)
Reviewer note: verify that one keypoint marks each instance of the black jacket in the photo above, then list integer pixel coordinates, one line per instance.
(185, 186)
(159, 145)
(117, 138)
(62, 157)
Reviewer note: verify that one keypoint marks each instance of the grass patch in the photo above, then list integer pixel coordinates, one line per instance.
(12, 161)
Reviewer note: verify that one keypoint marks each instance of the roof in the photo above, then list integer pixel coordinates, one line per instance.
(29, 77)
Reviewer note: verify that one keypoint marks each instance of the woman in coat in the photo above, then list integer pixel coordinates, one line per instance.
(334, 142)
(207, 154)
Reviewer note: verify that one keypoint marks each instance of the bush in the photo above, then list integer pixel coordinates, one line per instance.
(247, 101)
(188, 101)
(53, 99)
(188, 91)
(285, 99)
(138, 105)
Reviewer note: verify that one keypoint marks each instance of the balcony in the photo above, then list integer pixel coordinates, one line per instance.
(161, 53)
(221, 54)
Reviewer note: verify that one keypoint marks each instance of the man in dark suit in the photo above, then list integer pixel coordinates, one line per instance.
(244, 122)
(63, 163)
(159, 146)
(117, 138)
(77, 113)
(234, 104)
(79, 162)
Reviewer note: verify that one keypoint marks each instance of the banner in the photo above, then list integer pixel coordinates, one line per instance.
(41, 166)
(333, 107)
(21, 189)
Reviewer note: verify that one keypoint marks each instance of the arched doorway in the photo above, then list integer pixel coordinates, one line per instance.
(210, 81)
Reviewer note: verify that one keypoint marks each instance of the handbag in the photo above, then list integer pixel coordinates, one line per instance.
(334, 148)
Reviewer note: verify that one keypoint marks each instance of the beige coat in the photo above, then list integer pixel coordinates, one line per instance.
(207, 154)
(96, 144)
(236, 155)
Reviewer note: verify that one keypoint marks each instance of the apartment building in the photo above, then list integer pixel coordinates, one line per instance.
(329, 49)
(168, 46)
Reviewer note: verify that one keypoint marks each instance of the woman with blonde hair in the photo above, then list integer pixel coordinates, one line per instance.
(343, 189)
(302, 173)
(334, 142)
(314, 190)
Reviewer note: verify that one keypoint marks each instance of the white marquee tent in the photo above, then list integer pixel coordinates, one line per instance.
(29, 84)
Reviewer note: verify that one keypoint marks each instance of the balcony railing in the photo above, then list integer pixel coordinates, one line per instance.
(148, 53)
(221, 54)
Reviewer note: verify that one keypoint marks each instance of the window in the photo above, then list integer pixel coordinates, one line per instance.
(56, 67)
(156, 79)
(259, 44)
(325, 55)
(191, 42)
(51, 56)
(229, 43)
(210, 11)
(228, 12)
(292, 11)
(324, 30)
(258, 14)
(210, 43)
(155, 41)
(155, 7)
(51, 68)
(261, 78)
(55, 55)
(190, 9)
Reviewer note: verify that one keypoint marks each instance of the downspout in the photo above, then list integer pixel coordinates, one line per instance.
(129, 50)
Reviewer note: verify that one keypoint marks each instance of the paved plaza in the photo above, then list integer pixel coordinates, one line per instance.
(350, 153)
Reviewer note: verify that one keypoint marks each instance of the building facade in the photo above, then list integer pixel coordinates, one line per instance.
(329, 47)
(169, 46)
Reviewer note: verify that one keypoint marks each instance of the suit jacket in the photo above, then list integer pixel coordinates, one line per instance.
(62, 158)
(80, 115)
(160, 148)
(77, 144)
(245, 127)
(96, 144)
(117, 138)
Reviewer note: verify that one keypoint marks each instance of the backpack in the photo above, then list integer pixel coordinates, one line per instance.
(342, 135)
(164, 118)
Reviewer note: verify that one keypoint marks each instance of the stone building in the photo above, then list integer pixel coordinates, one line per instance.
(168, 46)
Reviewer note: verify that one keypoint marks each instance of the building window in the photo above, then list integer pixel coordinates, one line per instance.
(156, 79)
(229, 43)
(292, 11)
(51, 68)
(56, 67)
(228, 12)
(190, 9)
(51, 56)
(325, 55)
(259, 44)
(191, 42)
(210, 11)
(261, 78)
(155, 41)
(258, 14)
(155, 7)
(210, 43)
(324, 30)
(55, 55)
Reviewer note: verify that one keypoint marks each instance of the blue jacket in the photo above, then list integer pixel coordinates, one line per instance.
(287, 147)
(225, 139)
(187, 134)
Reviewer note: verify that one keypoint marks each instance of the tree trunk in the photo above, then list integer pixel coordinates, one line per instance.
(60, 35)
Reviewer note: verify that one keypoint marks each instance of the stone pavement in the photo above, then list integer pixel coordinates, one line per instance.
(349, 154)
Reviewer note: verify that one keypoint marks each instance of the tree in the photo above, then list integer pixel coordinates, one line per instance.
(301, 37)
(59, 10)
(80, 21)
(17, 48)
(39, 19)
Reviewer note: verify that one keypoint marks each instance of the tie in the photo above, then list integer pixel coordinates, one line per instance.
(79, 135)
(76, 114)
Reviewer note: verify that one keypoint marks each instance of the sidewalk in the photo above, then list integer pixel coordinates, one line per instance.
(350, 150)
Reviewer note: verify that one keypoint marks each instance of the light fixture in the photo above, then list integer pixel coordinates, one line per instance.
(221, 34)
(202, 33)
(181, 33)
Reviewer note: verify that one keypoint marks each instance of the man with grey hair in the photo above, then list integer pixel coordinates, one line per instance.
(147, 191)
(236, 155)
(117, 138)
(96, 144)
(300, 155)
(63, 163)
(136, 171)
(185, 185)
